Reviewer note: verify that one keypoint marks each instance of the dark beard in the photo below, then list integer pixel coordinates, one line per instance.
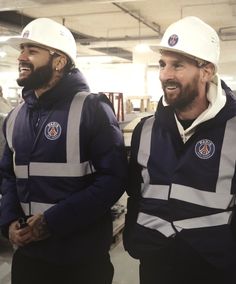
(39, 78)
(186, 97)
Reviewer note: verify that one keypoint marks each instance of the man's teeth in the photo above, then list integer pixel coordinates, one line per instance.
(24, 69)
(171, 87)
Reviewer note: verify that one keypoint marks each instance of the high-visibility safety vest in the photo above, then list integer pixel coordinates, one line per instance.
(220, 201)
(185, 189)
(71, 167)
(65, 158)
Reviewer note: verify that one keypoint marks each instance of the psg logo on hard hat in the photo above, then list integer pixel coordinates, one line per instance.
(26, 34)
(205, 149)
(173, 39)
(52, 130)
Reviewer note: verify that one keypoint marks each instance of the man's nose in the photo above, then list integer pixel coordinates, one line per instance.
(167, 73)
(23, 56)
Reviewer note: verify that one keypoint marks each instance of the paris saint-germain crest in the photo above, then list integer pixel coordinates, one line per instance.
(52, 130)
(205, 149)
(173, 39)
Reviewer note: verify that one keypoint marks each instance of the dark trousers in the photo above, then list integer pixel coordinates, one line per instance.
(26, 270)
(180, 264)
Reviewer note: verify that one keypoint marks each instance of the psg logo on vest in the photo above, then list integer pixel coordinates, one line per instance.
(52, 130)
(173, 39)
(205, 149)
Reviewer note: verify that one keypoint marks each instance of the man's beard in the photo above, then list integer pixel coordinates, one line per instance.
(186, 95)
(38, 78)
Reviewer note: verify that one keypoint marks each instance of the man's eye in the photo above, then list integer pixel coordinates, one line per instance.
(33, 51)
(178, 65)
(161, 65)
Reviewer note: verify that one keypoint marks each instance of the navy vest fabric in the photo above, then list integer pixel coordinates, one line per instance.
(76, 207)
(194, 204)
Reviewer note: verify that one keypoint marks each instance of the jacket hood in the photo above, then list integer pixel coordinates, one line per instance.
(221, 108)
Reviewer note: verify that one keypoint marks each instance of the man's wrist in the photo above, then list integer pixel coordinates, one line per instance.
(40, 230)
(44, 227)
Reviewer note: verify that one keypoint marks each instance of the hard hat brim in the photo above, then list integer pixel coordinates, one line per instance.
(158, 48)
(16, 41)
(155, 48)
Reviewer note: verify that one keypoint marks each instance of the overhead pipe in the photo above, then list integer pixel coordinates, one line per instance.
(227, 33)
(86, 41)
(153, 26)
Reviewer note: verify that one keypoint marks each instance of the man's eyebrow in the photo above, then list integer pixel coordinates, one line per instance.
(29, 45)
(178, 60)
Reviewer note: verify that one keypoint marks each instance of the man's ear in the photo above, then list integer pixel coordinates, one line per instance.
(208, 72)
(60, 62)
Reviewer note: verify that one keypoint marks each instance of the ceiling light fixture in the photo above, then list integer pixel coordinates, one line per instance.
(142, 48)
(2, 53)
(4, 38)
(227, 33)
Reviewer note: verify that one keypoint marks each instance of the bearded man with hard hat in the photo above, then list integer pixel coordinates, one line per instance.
(182, 183)
(64, 166)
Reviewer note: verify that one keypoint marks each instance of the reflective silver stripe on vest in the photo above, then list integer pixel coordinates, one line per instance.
(73, 125)
(205, 221)
(149, 190)
(33, 208)
(73, 167)
(200, 197)
(9, 132)
(228, 157)
(164, 227)
(10, 124)
(21, 171)
(156, 223)
(145, 142)
(59, 169)
(155, 191)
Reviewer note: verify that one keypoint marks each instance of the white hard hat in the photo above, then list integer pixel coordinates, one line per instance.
(48, 33)
(191, 36)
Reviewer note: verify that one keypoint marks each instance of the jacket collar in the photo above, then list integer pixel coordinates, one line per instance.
(69, 85)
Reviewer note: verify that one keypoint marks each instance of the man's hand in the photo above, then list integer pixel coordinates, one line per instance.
(17, 236)
(39, 229)
(36, 230)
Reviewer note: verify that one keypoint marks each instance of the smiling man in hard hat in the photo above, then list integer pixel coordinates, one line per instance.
(182, 183)
(64, 166)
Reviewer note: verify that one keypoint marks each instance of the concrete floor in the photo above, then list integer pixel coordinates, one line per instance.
(5, 261)
(126, 268)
